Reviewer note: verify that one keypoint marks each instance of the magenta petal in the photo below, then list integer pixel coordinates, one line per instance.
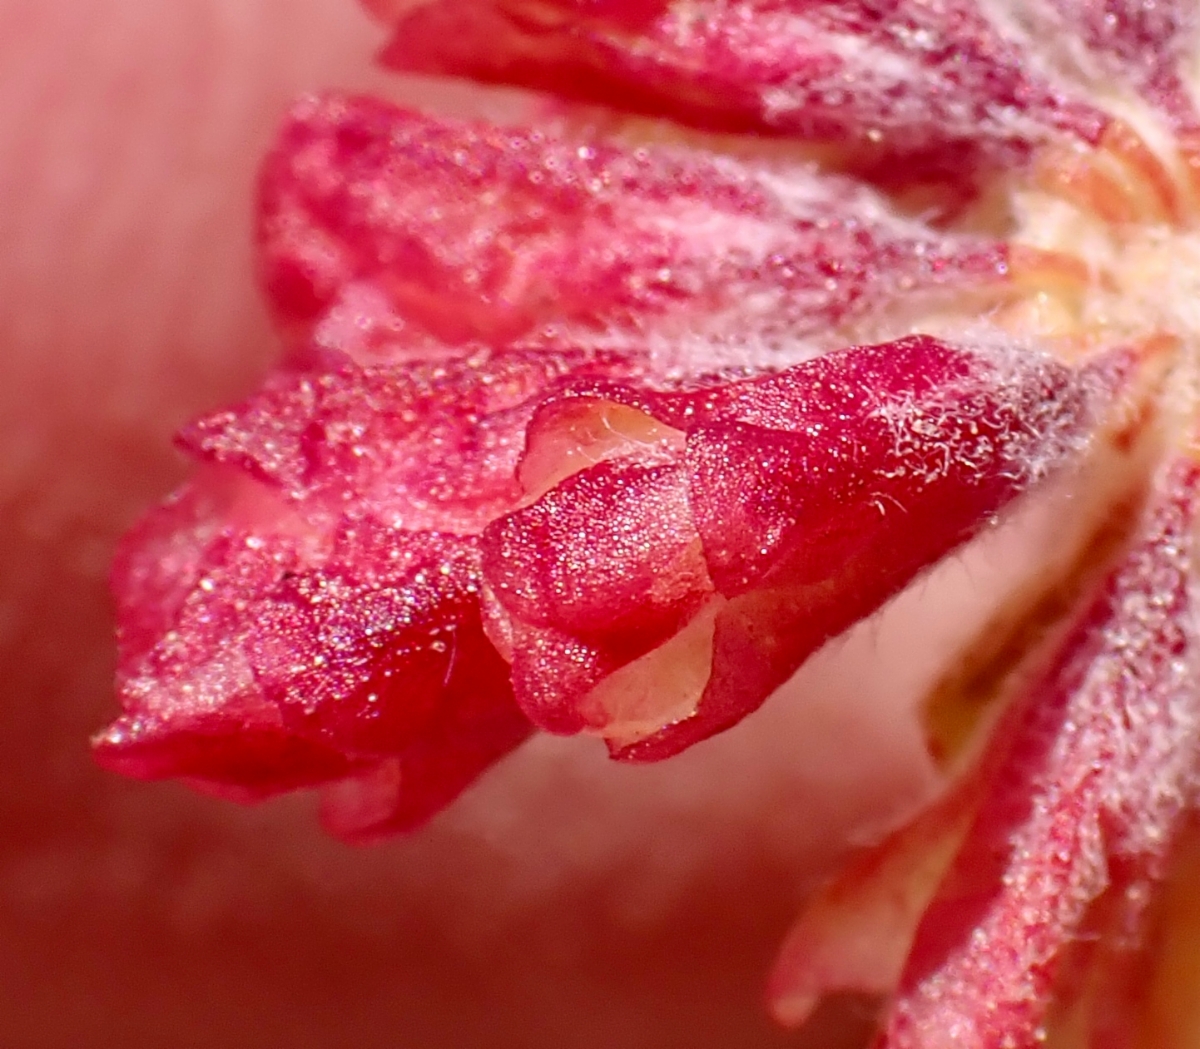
(846, 72)
(289, 657)
(1098, 778)
(241, 755)
(475, 725)
(372, 214)
(429, 445)
(610, 550)
(795, 505)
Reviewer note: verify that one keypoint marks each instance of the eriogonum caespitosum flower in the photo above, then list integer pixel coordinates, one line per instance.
(606, 422)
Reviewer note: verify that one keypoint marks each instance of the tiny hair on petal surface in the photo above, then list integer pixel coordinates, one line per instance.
(605, 420)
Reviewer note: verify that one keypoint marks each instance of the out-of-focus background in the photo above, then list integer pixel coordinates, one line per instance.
(565, 902)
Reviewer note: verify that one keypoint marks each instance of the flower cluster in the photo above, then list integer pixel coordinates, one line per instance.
(606, 422)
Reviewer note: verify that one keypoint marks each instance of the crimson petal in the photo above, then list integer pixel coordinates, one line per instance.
(793, 506)
(935, 85)
(394, 233)
(1087, 804)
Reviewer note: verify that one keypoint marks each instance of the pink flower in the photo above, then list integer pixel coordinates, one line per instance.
(606, 426)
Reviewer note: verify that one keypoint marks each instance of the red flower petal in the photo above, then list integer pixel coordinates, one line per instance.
(414, 233)
(1086, 806)
(794, 506)
(936, 84)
